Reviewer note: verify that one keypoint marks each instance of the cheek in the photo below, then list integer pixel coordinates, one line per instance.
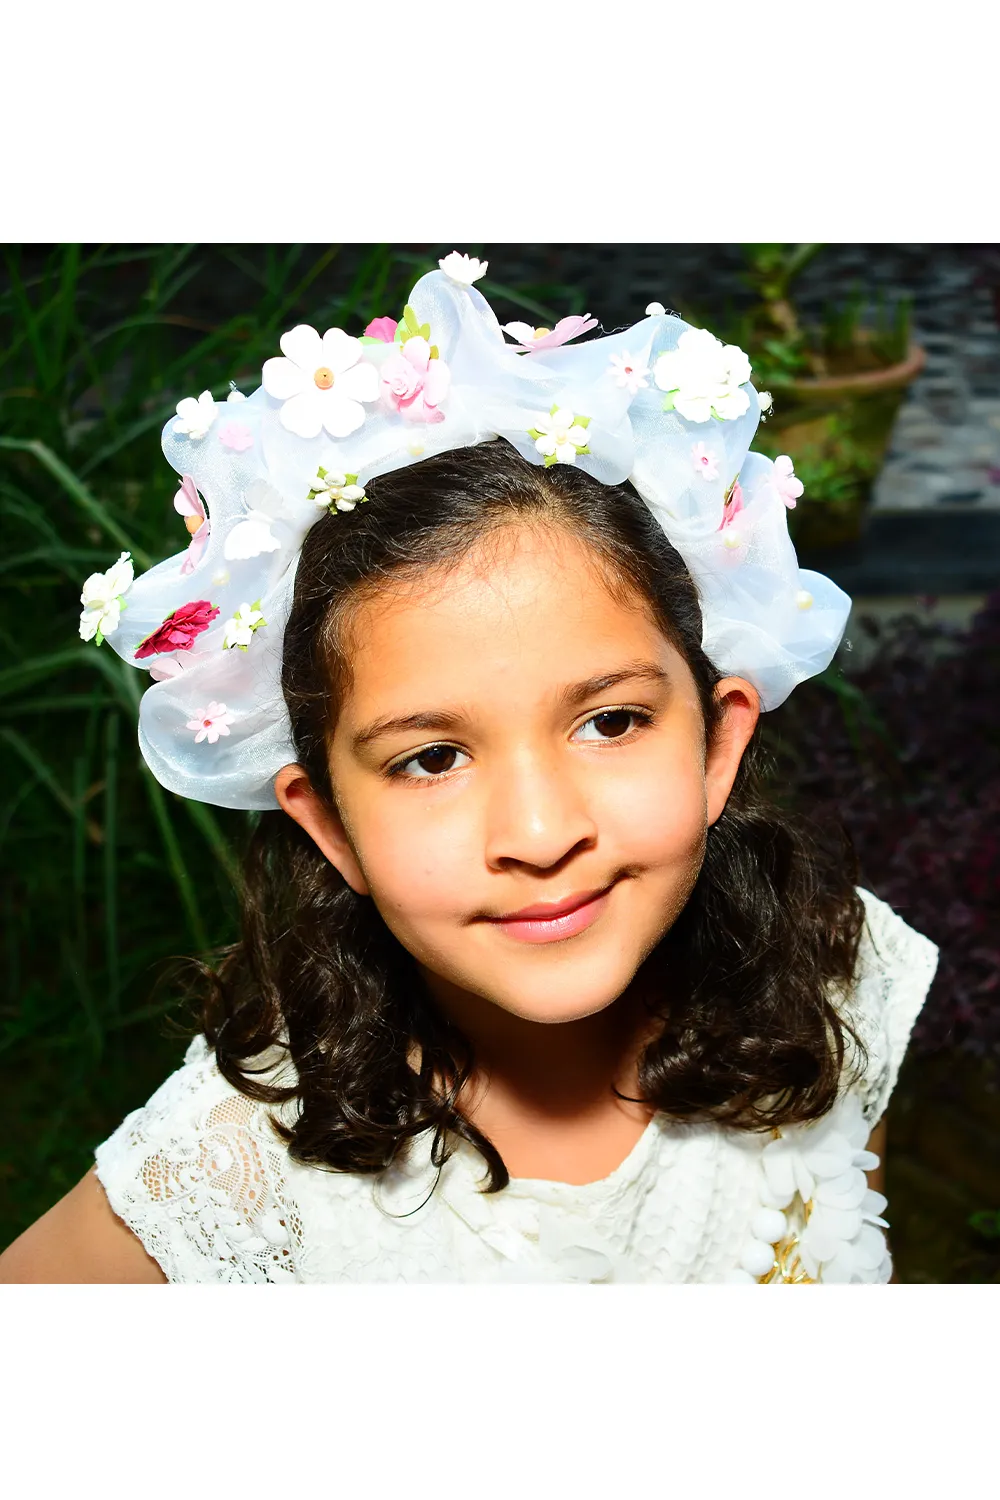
(416, 858)
(657, 814)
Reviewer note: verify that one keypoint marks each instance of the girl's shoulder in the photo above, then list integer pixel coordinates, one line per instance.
(891, 980)
(202, 1178)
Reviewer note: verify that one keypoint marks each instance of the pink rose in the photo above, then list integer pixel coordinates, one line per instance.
(413, 383)
(179, 630)
(382, 328)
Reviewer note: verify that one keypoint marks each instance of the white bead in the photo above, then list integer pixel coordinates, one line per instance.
(221, 577)
(769, 1224)
(732, 540)
(804, 599)
(655, 310)
(415, 448)
(757, 1258)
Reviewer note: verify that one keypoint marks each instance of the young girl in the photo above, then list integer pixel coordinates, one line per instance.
(535, 983)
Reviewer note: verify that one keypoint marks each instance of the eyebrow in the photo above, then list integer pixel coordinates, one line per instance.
(571, 696)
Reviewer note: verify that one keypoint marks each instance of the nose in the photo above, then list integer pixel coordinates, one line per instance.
(537, 814)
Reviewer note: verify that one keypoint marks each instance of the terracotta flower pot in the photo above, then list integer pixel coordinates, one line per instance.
(836, 429)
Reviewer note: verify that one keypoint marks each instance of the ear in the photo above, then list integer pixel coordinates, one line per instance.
(741, 710)
(323, 824)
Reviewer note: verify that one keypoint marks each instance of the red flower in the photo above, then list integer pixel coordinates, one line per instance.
(178, 631)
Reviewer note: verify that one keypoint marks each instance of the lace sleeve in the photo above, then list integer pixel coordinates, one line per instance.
(895, 967)
(199, 1175)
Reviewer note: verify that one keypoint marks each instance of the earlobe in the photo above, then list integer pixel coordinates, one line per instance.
(741, 710)
(321, 822)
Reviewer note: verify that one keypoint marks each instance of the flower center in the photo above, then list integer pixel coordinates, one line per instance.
(541, 333)
(562, 437)
(324, 377)
(207, 723)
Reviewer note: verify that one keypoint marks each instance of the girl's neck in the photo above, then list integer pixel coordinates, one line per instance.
(557, 1075)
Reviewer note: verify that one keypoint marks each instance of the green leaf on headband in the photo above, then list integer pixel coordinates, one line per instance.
(668, 401)
(553, 408)
(412, 327)
(365, 338)
(99, 638)
(435, 354)
(533, 432)
(584, 449)
(582, 421)
(547, 462)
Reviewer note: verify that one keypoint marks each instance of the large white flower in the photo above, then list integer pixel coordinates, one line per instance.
(102, 599)
(703, 377)
(322, 382)
(463, 269)
(560, 435)
(195, 417)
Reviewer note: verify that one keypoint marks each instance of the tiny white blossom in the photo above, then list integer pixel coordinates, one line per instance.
(765, 401)
(560, 435)
(333, 488)
(195, 417)
(240, 629)
(102, 599)
(463, 269)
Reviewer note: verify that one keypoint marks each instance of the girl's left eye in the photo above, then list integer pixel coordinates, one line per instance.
(613, 723)
(441, 752)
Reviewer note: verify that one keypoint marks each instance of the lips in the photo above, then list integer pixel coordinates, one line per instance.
(546, 911)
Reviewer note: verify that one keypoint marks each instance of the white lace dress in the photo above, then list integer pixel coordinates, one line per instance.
(202, 1179)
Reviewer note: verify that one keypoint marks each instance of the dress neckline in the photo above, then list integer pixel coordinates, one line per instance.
(622, 1176)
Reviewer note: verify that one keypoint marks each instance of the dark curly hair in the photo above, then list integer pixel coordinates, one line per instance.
(751, 1037)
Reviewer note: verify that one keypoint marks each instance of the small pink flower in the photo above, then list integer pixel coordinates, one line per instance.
(236, 436)
(733, 505)
(706, 463)
(211, 722)
(189, 504)
(413, 383)
(629, 372)
(382, 328)
(179, 630)
(531, 340)
(785, 482)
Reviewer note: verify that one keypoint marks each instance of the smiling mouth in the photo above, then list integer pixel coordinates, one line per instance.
(544, 911)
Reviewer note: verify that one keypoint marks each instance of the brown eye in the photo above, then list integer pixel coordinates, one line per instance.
(436, 760)
(613, 723)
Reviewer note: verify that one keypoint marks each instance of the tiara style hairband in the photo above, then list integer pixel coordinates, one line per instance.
(663, 404)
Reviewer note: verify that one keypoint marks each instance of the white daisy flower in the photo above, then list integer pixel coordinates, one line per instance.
(321, 381)
(102, 599)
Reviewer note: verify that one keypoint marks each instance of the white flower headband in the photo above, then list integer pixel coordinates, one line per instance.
(662, 404)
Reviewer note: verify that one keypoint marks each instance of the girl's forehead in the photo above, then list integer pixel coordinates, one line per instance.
(504, 583)
(536, 602)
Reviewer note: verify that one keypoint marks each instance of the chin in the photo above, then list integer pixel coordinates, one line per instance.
(568, 992)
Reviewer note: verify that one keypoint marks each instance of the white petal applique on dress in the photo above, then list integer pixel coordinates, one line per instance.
(208, 1186)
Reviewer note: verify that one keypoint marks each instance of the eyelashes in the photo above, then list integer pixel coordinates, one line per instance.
(443, 750)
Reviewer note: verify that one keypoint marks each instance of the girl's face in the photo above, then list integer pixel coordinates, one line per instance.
(515, 738)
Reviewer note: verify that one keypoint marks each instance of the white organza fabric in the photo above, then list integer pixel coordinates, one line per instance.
(203, 1180)
(764, 618)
